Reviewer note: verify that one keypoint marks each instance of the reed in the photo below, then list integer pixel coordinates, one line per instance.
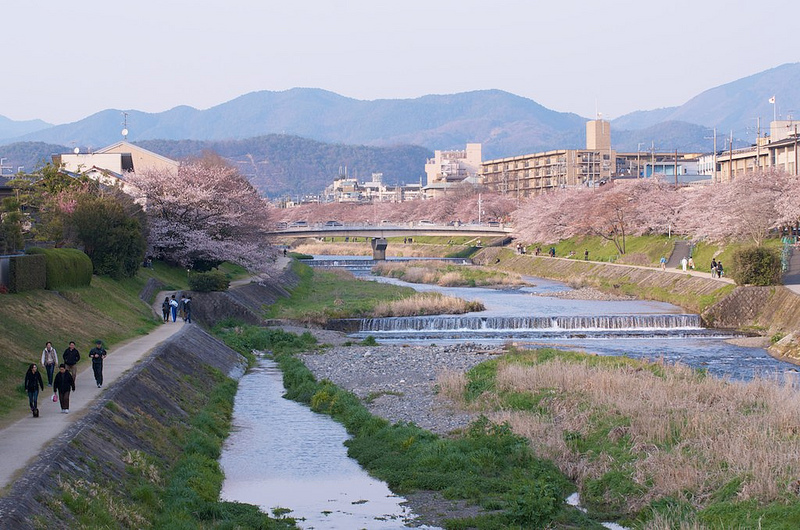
(426, 304)
(446, 274)
(670, 432)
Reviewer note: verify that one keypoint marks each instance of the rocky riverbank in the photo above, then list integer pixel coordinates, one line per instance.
(398, 382)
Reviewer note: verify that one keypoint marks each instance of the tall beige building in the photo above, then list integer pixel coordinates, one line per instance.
(529, 175)
(449, 168)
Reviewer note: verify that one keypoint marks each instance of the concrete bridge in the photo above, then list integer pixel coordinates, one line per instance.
(379, 233)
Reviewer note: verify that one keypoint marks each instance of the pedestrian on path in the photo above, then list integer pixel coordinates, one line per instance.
(691, 263)
(187, 310)
(663, 263)
(684, 263)
(62, 385)
(586, 255)
(71, 357)
(97, 354)
(49, 361)
(165, 309)
(720, 270)
(33, 382)
(713, 267)
(173, 304)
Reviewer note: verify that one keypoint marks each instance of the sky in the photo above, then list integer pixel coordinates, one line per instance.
(63, 61)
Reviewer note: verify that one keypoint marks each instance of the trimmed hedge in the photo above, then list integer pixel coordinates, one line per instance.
(204, 282)
(26, 273)
(66, 267)
(756, 266)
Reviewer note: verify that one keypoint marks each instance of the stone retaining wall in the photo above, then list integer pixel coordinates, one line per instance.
(156, 396)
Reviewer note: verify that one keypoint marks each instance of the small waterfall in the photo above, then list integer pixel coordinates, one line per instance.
(554, 323)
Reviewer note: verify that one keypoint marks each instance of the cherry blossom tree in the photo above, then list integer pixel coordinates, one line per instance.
(203, 214)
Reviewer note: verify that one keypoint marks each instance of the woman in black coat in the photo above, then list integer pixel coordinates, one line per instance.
(62, 385)
(33, 382)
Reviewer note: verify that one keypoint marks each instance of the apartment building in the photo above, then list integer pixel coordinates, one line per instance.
(451, 168)
(778, 151)
(529, 175)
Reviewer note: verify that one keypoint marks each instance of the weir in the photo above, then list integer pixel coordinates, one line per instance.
(554, 323)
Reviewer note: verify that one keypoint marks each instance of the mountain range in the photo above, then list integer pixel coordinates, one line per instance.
(505, 124)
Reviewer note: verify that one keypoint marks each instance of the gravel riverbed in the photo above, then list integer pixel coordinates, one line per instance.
(398, 382)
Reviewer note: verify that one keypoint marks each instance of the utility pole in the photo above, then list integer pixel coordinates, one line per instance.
(714, 169)
(676, 168)
(796, 172)
(653, 157)
(730, 159)
(758, 142)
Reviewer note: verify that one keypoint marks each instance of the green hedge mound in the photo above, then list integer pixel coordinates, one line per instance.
(66, 267)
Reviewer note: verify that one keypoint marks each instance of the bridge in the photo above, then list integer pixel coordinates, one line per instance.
(379, 233)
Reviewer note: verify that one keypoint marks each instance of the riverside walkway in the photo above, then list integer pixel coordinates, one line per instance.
(24, 439)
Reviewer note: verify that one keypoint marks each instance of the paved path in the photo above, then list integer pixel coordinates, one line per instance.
(24, 439)
(792, 277)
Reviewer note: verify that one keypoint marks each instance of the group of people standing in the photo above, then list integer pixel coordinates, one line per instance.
(175, 307)
(717, 271)
(63, 380)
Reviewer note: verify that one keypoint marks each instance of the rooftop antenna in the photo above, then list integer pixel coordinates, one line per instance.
(125, 125)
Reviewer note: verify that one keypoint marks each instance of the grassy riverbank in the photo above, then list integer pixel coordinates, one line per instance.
(446, 274)
(322, 295)
(488, 465)
(107, 309)
(655, 446)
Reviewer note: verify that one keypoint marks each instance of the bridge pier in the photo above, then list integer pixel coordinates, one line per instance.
(379, 245)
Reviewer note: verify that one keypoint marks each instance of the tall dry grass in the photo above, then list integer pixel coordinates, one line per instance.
(439, 273)
(363, 248)
(426, 304)
(689, 433)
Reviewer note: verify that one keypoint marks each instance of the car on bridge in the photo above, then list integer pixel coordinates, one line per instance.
(333, 223)
(425, 222)
(298, 224)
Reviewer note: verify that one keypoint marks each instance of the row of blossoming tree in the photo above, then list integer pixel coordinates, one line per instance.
(748, 208)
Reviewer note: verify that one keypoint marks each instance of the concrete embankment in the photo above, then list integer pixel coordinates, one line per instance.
(768, 310)
(693, 293)
(143, 412)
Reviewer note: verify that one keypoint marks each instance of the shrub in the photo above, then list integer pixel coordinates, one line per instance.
(26, 273)
(208, 281)
(66, 267)
(756, 266)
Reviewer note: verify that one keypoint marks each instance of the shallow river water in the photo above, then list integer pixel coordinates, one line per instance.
(281, 454)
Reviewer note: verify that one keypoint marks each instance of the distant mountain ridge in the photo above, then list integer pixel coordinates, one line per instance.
(505, 124)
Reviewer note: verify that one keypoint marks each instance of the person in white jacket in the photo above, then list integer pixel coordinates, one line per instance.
(49, 361)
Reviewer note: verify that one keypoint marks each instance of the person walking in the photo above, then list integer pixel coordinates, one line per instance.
(684, 263)
(720, 270)
(713, 267)
(97, 354)
(187, 309)
(71, 357)
(62, 385)
(49, 361)
(165, 309)
(663, 263)
(33, 382)
(173, 304)
(691, 263)
(586, 255)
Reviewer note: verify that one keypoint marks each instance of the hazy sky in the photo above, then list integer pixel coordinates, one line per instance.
(62, 61)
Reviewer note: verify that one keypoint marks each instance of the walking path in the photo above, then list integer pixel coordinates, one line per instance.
(24, 439)
(792, 277)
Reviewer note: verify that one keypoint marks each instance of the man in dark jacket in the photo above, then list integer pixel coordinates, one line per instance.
(62, 385)
(97, 354)
(71, 357)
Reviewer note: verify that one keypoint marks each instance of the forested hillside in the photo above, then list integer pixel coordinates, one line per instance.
(281, 165)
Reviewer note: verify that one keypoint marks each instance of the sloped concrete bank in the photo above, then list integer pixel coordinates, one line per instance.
(244, 302)
(143, 412)
(690, 292)
(768, 310)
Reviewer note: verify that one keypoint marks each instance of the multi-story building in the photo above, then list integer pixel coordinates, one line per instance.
(529, 175)
(450, 168)
(779, 150)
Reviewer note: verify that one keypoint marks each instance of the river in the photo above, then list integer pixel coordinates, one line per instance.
(281, 454)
